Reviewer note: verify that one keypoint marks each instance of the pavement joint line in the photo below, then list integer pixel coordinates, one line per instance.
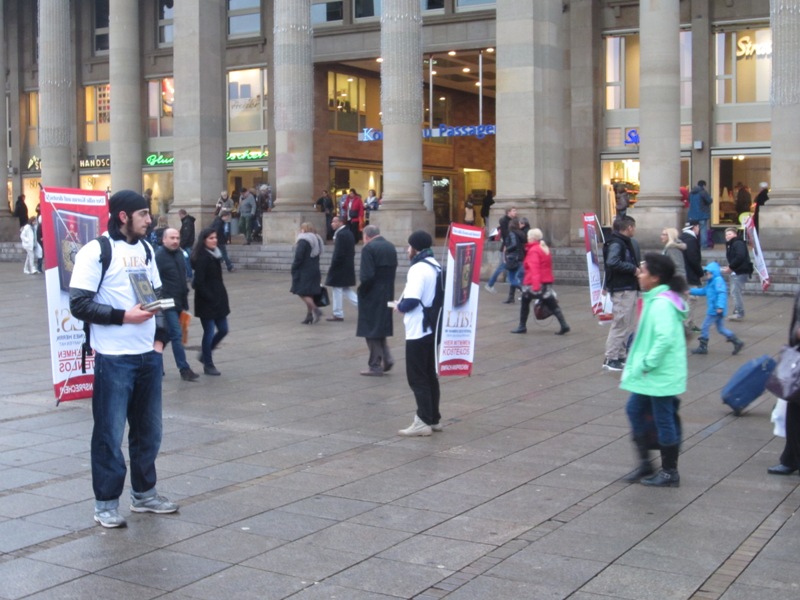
(726, 574)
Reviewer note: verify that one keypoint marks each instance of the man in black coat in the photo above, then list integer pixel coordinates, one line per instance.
(693, 261)
(377, 273)
(342, 273)
(739, 269)
(172, 269)
(187, 238)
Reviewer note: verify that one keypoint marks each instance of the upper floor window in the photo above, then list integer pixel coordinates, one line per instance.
(244, 18)
(101, 13)
(439, 115)
(743, 70)
(326, 11)
(166, 29)
(347, 102)
(685, 43)
(160, 98)
(366, 8)
(467, 4)
(98, 113)
(622, 72)
(431, 5)
(247, 100)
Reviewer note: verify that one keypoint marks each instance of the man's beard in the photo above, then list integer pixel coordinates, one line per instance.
(129, 233)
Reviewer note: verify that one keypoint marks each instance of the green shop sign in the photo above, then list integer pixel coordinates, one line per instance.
(164, 160)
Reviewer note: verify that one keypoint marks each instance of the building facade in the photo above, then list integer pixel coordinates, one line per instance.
(551, 104)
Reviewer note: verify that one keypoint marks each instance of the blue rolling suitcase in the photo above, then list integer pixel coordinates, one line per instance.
(748, 383)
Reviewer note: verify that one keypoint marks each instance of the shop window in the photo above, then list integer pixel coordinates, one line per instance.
(468, 4)
(743, 66)
(439, 115)
(347, 102)
(160, 99)
(247, 100)
(166, 30)
(98, 113)
(244, 18)
(363, 9)
(323, 12)
(101, 15)
(30, 144)
(622, 72)
(734, 184)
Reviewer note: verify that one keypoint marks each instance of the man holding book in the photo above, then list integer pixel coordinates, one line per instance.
(172, 269)
(127, 360)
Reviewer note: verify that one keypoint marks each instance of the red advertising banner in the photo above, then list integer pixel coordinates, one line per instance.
(751, 237)
(70, 219)
(593, 238)
(460, 311)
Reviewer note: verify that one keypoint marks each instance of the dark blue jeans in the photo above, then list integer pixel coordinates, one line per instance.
(717, 320)
(213, 332)
(172, 319)
(126, 388)
(663, 408)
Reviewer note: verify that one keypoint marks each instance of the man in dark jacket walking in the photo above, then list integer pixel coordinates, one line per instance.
(171, 267)
(187, 238)
(700, 211)
(739, 268)
(693, 263)
(377, 273)
(622, 257)
(342, 273)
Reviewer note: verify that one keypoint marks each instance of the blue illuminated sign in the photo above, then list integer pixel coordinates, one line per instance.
(369, 134)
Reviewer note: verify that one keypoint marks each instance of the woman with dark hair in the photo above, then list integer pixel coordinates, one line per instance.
(514, 257)
(306, 276)
(210, 296)
(790, 457)
(656, 370)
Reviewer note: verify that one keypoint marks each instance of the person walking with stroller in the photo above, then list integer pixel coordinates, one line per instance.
(716, 293)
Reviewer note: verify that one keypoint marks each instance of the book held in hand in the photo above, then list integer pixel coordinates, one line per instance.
(146, 294)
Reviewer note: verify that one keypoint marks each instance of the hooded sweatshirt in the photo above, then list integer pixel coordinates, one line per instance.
(656, 364)
(715, 291)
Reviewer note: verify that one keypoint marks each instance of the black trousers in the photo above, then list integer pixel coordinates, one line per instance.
(791, 451)
(422, 377)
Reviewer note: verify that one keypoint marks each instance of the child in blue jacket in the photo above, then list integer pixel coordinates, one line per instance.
(716, 293)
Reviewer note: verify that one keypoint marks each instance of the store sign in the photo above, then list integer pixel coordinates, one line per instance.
(95, 162)
(247, 155)
(369, 134)
(159, 160)
(746, 48)
(632, 137)
(35, 163)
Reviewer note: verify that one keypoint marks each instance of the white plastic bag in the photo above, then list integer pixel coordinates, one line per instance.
(779, 418)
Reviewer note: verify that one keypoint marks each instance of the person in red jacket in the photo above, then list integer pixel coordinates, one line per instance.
(537, 282)
(354, 213)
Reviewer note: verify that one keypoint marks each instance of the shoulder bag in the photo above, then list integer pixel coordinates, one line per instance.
(784, 381)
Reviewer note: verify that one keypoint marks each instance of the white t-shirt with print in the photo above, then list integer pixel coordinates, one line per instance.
(117, 291)
(420, 284)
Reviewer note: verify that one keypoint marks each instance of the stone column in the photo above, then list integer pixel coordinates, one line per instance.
(200, 126)
(293, 95)
(402, 108)
(658, 204)
(56, 95)
(531, 173)
(126, 96)
(779, 219)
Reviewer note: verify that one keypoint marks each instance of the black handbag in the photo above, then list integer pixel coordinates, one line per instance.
(541, 310)
(322, 300)
(784, 381)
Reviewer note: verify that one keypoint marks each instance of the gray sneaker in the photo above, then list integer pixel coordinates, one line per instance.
(489, 288)
(109, 518)
(154, 504)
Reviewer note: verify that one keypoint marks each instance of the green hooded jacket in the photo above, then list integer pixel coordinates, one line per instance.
(656, 364)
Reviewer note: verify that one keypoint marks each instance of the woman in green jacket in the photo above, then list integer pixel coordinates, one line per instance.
(656, 370)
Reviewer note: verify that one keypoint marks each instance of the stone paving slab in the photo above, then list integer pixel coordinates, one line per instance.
(293, 483)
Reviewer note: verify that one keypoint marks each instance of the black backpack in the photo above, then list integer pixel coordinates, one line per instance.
(431, 315)
(105, 261)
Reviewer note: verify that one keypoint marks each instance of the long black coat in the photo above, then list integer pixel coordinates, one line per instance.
(305, 271)
(378, 270)
(692, 258)
(210, 295)
(342, 272)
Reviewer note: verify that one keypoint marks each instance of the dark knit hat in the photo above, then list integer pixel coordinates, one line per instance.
(420, 240)
(126, 200)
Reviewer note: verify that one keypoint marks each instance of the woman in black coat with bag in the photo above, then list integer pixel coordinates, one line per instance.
(210, 296)
(306, 275)
(790, 457)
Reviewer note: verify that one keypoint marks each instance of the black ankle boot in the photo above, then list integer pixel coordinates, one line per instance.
(520, 329)
(645, 468)
(668, 475)
(561, 321)
(511, 293)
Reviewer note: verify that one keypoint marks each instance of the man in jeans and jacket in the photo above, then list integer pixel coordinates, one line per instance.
(127, 361)
(622, 258)
(739, 268)
(171, 268)
(247, 212)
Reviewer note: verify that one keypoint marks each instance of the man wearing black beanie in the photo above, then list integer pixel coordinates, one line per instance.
(419, 292)
(128, 363)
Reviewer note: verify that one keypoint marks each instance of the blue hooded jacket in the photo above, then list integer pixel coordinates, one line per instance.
(715, 291)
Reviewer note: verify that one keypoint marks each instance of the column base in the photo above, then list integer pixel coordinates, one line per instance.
(282, 227)
(779, 221)
(651, 220)
(397, 225)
